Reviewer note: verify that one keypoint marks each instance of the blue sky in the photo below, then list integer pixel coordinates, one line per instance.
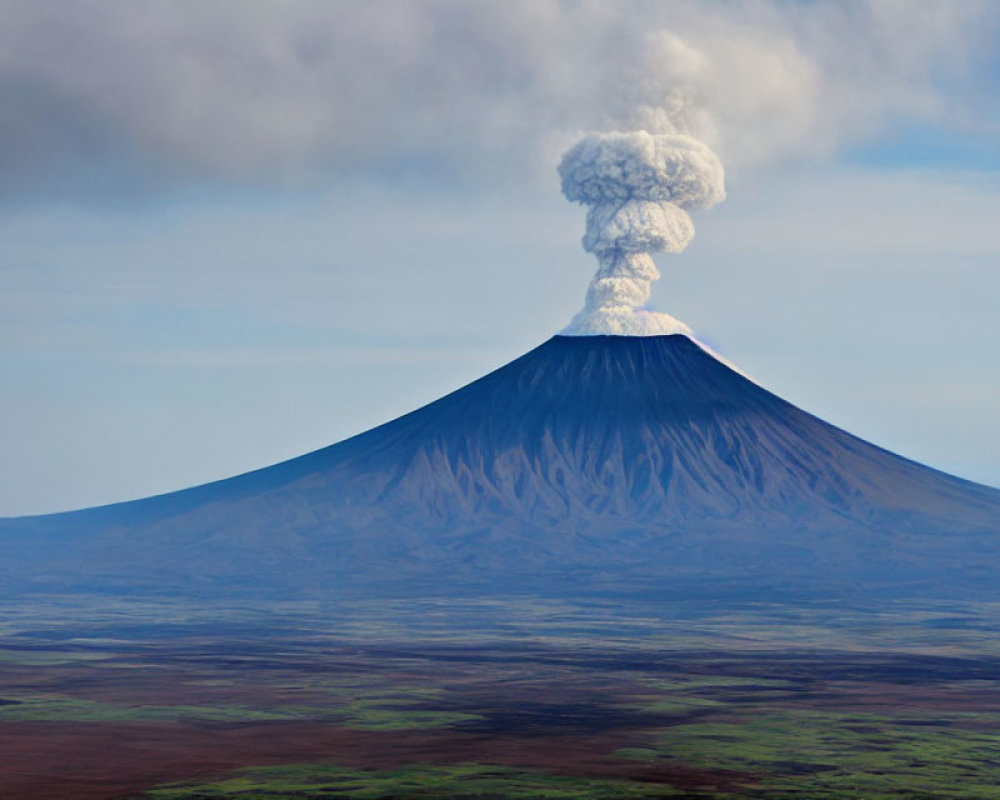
(234, 232)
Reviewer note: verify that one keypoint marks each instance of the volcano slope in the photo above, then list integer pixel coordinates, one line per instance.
(590, 465)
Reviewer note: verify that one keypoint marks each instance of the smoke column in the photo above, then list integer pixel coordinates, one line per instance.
(639, 188)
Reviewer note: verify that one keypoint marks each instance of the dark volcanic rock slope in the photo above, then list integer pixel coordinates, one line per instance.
(598, 462)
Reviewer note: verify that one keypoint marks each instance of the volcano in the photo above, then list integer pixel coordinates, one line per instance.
(592, 464)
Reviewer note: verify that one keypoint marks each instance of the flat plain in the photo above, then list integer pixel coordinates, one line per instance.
(498, 698)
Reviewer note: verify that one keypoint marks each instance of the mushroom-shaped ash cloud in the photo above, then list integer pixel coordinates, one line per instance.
(639, 187)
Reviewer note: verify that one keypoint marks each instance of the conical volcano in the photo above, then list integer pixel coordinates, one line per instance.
(592, 463)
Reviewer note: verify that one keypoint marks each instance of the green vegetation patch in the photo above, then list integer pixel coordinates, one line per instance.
(57, 708)
(394, 714)
(383, 715)
(373, 705)
(455, 782)
(368, 712)
(52, 658)
(695, 683)
(805, 755)
(697, 693)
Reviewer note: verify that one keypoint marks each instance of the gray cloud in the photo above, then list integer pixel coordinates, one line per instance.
(303, 90)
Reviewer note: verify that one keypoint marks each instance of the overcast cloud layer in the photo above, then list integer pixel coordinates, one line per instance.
(94, 91)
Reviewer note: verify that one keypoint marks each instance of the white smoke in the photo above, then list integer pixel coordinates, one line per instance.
(639, 187)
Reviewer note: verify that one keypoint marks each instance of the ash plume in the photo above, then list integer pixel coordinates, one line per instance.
(639, 188)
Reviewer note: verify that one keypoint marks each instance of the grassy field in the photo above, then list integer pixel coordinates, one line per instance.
(535, 702)
(458, 781)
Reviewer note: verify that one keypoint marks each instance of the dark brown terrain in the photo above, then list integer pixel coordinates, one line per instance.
(523, 702)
